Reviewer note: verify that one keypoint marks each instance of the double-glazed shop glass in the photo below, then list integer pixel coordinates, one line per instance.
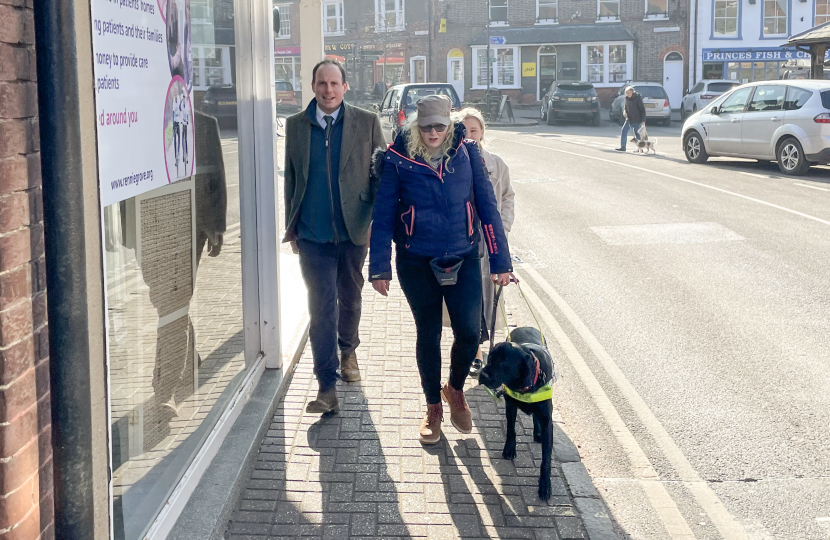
(173, 276)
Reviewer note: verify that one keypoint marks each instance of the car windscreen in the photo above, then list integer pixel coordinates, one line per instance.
(576, 88)
(720, 86)
(283, 86)
(412, 95)
(654, 92)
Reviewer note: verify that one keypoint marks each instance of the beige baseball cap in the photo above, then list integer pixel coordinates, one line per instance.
(434, 109)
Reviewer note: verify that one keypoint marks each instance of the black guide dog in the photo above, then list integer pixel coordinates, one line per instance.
(524, 365)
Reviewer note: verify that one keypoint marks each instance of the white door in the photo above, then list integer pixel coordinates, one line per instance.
(455, 72)
(673, 78)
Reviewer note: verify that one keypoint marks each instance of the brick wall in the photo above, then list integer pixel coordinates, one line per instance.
(26, 508)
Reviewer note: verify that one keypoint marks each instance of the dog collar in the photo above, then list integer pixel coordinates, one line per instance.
(535, 377)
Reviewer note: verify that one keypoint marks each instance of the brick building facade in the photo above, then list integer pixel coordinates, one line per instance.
(26, 507)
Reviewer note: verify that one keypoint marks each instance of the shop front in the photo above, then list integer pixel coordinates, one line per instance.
(187, 244)
(755, 64)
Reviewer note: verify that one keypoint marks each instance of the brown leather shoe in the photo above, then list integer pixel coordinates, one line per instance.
(460, 416)
(430, 432)
(349, 371)
(326, 402)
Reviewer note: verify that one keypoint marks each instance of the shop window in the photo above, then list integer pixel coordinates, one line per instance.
(726, 18)
(389, 15)
(775, 17)
(503, 71)
(596, 63)
(285, 21)
(608, 10)
(498, 12)
(657, 9)
(333, 18)
(547, 11)
(617, 64)
(287, 68)
(822, 11)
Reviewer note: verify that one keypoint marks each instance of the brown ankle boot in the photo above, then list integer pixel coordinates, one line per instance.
(349, 371)
(326, 402)
(430, 432)
(460, 416)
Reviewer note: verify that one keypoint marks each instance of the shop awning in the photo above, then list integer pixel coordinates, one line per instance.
(817, 34)
(543, 35)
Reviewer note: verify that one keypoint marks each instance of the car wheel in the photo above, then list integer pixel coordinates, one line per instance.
(791, 158)
(544, 116)
(694, 109)
(551, 119)
(682, 112)
(667, 122)
(694, 149)
(596, 120)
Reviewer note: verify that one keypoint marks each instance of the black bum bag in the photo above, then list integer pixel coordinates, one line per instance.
(446, 269)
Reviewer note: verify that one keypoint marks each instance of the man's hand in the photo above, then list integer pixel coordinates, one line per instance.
(503, 279)
(381, 286)
(294, 247)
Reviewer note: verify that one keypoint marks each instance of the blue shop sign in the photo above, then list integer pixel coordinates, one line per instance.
(759, 54)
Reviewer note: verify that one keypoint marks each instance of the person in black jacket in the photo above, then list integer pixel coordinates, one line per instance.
(434, 191)
(635, 115)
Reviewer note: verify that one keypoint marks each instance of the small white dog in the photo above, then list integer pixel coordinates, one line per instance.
(644, 145)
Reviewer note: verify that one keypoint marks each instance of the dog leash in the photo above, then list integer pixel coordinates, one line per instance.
(496, 296)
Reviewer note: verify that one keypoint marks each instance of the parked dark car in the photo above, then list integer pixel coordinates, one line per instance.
(399, 102)
(569, 100)
(220, 101)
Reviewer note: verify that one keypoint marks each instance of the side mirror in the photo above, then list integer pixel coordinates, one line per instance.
(686, 91)
(715, 111)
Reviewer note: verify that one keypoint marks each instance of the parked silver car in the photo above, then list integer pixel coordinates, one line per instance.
(784, 121)
(655, 100)
(702, 93)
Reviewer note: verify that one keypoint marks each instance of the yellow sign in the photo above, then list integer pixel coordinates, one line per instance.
(443, 28)
(528, 69)
(456, 53)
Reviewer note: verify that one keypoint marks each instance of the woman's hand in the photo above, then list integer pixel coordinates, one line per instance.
(381, 286)
(503, 279)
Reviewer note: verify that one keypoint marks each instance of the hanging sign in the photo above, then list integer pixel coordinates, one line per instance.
(143, 82)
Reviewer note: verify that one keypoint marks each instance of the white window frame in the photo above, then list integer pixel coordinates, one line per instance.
(737, 18)
(285, 21)
(380, 16)
(547, 3)
(338, 17)
(824, 17)
(606, 65)
(600, 18)
(785, 18)
(494, 51)
(506, 15)
(657, 16)
(198, 52)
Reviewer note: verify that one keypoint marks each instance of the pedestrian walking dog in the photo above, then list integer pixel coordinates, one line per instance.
(521, 369)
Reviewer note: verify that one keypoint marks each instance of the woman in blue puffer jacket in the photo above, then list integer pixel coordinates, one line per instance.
(433, 190)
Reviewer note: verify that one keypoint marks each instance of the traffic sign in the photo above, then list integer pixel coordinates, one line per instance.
(497, 40)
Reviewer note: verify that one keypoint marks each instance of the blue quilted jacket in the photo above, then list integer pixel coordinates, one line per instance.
(434, 212)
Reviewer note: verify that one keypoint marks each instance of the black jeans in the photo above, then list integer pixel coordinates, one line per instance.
(333, 274)
(463, 300)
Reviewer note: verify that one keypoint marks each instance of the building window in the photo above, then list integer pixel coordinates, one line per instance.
(287, 68)
(389, 15)
(211, 67)
(657, 9)
(609, 10)
(822, 11)
(596, 63)
(775, 17)
(503, 70)
(617, 64)
(607, 65)
(498, 12)
(285, 21)
(333, 18)
(726, 18)
(547, 11)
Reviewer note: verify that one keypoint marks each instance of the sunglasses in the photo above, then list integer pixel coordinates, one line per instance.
(439, 128)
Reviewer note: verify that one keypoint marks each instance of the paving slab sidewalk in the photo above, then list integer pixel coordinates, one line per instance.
(361, 473)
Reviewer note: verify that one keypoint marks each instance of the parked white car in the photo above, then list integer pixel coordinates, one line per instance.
(784, 121)
(655, 99)
(702, 93)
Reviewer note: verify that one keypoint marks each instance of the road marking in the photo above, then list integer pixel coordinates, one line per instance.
(708, 500)
(811, 187)
(673, 177)
(641, 467)
(752, 174)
